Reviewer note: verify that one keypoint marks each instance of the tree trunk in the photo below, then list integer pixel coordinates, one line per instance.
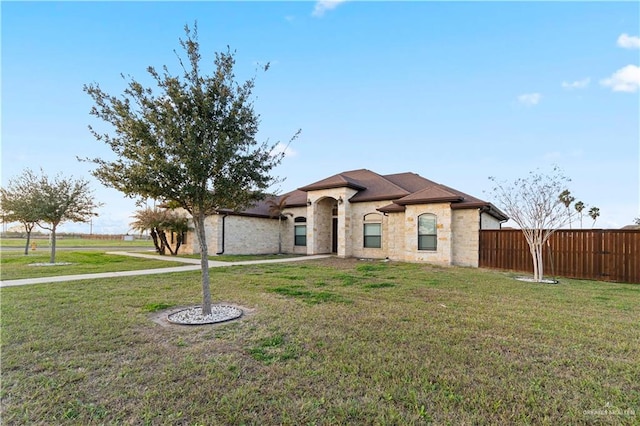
(537, 257)
(178, 242)
(154, 236)
(540, 263)
(165, 244)
(28, 230)
(52, 259)
(198, 224)
(534, 260)
(162, 238)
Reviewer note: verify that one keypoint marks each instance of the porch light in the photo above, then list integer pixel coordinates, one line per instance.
(340, 200)
(308, 202)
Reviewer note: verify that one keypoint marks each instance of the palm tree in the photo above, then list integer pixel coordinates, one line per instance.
(566, 199)
(594, 212)
(151, 219)
(579, 206)
(276, 208)
(175, 223)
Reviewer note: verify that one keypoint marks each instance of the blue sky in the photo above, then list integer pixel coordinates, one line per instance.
(455, 92)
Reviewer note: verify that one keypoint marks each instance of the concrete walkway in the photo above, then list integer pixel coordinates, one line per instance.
(194, 265)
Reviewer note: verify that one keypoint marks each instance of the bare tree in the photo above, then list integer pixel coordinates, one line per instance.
(534, 204)
(19, 203)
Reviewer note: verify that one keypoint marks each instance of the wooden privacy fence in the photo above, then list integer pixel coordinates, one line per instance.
(596, 254)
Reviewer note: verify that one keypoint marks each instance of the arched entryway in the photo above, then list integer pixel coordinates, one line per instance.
(325, 215)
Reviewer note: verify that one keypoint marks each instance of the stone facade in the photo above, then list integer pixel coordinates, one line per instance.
(457, 232)
(334, 213)
(242, 235)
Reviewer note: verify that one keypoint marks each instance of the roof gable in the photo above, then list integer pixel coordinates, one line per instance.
(431, 194)
(400, 189)
(370, 186)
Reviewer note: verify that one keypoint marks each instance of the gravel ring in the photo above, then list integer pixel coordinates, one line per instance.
(193, 315)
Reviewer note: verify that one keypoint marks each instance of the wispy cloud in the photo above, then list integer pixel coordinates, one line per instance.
(629, 42)
(281, 148)
(626, 79)
(530, 99)
(578, 84)
(323, 5)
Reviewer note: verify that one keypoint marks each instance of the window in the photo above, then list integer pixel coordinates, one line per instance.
(300, 231)
(427, 234)
(372, 230)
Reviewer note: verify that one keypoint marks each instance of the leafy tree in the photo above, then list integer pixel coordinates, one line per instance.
(594, 213)
(64, 199)
(191, 142)
(19, 203)
(637, 221)
(534, 203)
(32, 199)
(579, 206)
(566, 198)
(276, 209)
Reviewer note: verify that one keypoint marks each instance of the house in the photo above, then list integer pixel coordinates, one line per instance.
(360, 213)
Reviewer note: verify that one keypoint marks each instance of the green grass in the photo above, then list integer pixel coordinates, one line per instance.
(441, 345)
(62, 242)
(16, 265)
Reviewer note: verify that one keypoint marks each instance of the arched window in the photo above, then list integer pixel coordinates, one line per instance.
(427, 232)
(300, 231)
(373, 230)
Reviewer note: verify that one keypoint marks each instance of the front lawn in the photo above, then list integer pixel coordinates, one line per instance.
(42, 244)
(15, 265)
(324, 342)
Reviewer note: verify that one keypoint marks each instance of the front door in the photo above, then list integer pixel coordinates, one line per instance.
(334, 235)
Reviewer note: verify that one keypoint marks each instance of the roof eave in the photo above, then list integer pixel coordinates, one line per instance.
(332, 186)
(430, 201)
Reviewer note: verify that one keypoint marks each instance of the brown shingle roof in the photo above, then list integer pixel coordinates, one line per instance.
(400, 188)
(370, 186)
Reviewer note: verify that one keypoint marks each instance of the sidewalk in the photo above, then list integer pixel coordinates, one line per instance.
(194, 265)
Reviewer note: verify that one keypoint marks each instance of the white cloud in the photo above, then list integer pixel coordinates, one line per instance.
(578, 84)
(626, 79)
(530, 99)
(629, 42)
(282, 148)
(323, 5)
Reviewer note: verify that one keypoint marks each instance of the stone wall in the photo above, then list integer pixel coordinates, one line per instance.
(443, 252)
(457, 231)
(242, 235)
(357, 214)
(466, 237)
(250, 235)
